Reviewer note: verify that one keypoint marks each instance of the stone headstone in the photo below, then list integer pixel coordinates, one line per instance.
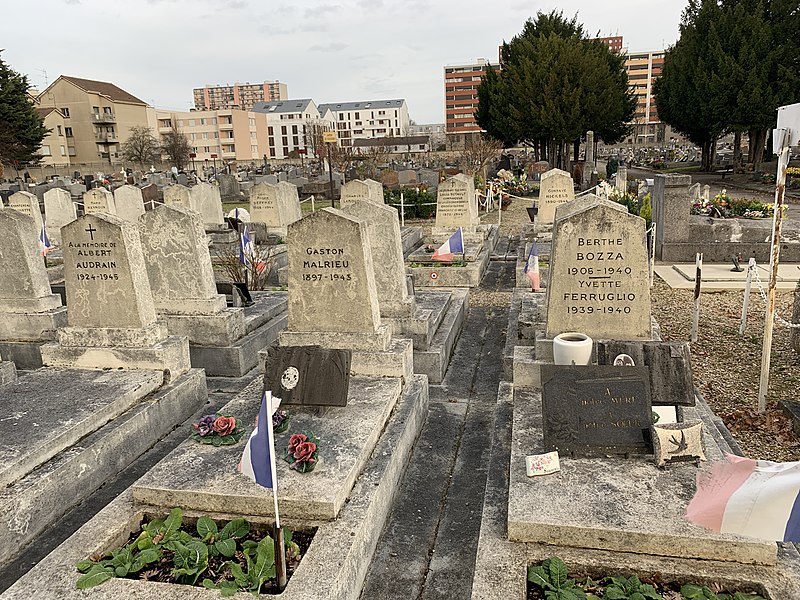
(28, 205)
(599, 283)
(182, 179)
(590, 149)
(535, 170)
(178, 195)
(273, 205)
(622, 179)
(596, 410)
(456, 205)
(298, 181)
(390, 178)
(178, 262)
(331, 275)
(386, 247)
(429, 178)
(129, 202)
(59, 209)
(76, 190)
(706, 193)
(407, 177)
(671, 208)
(694, 191)
(99, 200)
(555, 188)
(105, 275)
(151, 195)
(228, 186)
(359, 189)
(206, 200)
(290, 200)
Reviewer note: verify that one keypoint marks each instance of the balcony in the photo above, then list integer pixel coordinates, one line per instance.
(106, 138)
(104, 118)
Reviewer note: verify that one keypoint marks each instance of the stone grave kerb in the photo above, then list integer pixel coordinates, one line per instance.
(331, 278)
(129, 202)
(456, 205)
(178, 262)
(383, 227)
(599, 283)
(206, 200)
(109, 249)
(555, 187)
(99, 200)
(59, 209)
(27, 204)
(178, 195)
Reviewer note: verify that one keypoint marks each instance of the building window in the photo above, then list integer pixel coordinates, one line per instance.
(44, 151)
(63, 150)
(214, 120)
(106, 110)
(253, 149)
(96, 110)
(285, 141)
(205, 135)
(66, 112)
(286, 150)
(272, 152)
(294, 129)
(295, 141)
(283, 129)
(269, 130)
(68, 131)
(271, 141)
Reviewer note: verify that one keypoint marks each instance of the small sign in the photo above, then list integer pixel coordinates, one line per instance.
(542, 464)
(308, 375)
(329, 137)
(192, 155)
(302, 151)
(434, 276)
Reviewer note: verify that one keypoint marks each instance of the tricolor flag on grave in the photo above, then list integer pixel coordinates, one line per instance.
(258, 457)
(44, 241)
(532, 267)
(246, 247)
(755, 498)
(448, 250)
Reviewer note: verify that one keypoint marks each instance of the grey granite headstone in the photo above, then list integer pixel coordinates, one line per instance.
(206, 200)
(596, 410)
(386, 246)
(331, 275)
(151, 195)
(59, 209)
(274, 205)
(456, 205)
(28, 205)
(99, 200)
(228, 186)
(178, 195)
(359, 189)
(599, 283)
(429, 178)
(407, 177)
(290, 202)
(129, 202)
(672, 203)
(556, 187)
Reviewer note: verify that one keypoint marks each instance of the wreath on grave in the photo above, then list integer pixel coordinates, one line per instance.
(217, 430)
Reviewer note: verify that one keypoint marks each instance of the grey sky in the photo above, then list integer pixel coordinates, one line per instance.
(333, 51)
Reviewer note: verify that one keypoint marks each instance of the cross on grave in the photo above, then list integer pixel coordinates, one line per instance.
(90, 230)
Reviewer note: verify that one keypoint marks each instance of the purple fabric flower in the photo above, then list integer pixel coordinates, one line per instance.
(206, 425)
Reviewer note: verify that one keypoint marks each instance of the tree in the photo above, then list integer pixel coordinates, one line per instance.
(342, 157)
(176, 147)
(478, 151)
(141, 147)
(21, 128)
(555, 84)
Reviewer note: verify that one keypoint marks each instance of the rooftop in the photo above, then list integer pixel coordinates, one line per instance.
(282, 106)
(337, 106)
(104, 89)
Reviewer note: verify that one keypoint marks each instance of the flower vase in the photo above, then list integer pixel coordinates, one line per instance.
(572, 348)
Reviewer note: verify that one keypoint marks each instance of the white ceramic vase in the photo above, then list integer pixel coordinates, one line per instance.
(572, 348)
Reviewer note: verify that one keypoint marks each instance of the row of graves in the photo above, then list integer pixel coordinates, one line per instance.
(343, 369)
(601, 439)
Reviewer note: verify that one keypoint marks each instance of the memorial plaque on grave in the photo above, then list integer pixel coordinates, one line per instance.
(599, 281)
(556, 188)
(308, 375)
(456, 205)
(596, 410)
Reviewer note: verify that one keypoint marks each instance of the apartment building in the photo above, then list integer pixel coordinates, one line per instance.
(368, 119)
(239, 95)
(461, 99)
(643, 68)
(434, 131)
(97, 115)
(54, 149)
(293, 126)
(614, 42)
(218, 135)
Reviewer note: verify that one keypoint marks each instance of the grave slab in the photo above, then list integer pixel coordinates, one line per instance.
(8, 372)
(433, 360)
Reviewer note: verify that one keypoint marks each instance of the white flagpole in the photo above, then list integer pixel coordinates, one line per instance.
(698, 276)
(272, 465)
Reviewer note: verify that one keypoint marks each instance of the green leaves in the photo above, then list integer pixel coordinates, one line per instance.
(620, 588)
(551, 576)
(96, 575)
(696, 592)
(190, 560)
(21, 128)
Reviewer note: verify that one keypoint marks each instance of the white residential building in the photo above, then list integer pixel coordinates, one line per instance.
(292, 126)
(368, 120)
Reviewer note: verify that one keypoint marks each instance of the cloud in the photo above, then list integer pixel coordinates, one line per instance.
(332, 47)
(237, 4)
(322, 10)
(72, 2)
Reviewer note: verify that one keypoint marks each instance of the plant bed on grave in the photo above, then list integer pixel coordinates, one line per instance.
(551, 580)
(230, 556)
(724, 207)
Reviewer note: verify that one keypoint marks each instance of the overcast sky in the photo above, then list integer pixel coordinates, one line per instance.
(337, 51)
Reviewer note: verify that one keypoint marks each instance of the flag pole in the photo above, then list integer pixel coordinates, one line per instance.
(279, 540)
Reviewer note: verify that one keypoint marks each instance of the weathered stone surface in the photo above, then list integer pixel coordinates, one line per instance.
(8, 372)
(672, 202)
(556, 187)
(99, 200)
(358, 189)
(599, 274)
(794, 336)
(456, 205)
(206, 200)
(28, 205)
(59, 209)
(407, 177)
(178, 195)
(331, 275)
(275, 205)
(129, 202)
(151, 195)
(386, 247)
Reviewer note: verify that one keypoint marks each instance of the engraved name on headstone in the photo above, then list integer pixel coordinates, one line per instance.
(99, 200)
(178, 195)
(28, 205)
(456, 205)
(556, 188)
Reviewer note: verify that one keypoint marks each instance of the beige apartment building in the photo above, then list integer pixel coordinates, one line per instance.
(97, 118)
(239, 95)
(218, 135)
(54, 149)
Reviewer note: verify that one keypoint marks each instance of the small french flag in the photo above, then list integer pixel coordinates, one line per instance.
(532, 267)
(44, 241)
(755, 498)
(448, 250)
(258, 457)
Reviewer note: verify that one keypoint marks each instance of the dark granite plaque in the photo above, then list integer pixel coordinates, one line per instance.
(668, 363)
(596, 410)
(308, 375)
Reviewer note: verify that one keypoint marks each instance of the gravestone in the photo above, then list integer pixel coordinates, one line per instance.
(59, 209)
(596, 410)
(386, 247)
(694, 191)
(390, 178)
(331, 275)
(228, 186)
(206, 200)
(456, 205)
(407, 177)
(429, 178)
(599, 283)
(590, 149)
(182, 179)
(555, 188)
(536, 169)
(274, 205)
(28, 205)
(151, 195)
(290, 201)
(671, 208)
(76, 190)
(706, 193)
(129, 202)
(178, 195)
(99, 200)
(359, 189)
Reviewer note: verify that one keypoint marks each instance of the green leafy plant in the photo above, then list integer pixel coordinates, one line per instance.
(691, 592)
(221, 542)
(552, 577)
(621, 588)
(260, 564)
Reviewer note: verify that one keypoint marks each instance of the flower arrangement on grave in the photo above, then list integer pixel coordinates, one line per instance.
(280, 421)
(302, 453)
(724, 207)
(217, 430)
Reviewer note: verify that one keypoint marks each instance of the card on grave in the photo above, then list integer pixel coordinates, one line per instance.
(308, 375)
